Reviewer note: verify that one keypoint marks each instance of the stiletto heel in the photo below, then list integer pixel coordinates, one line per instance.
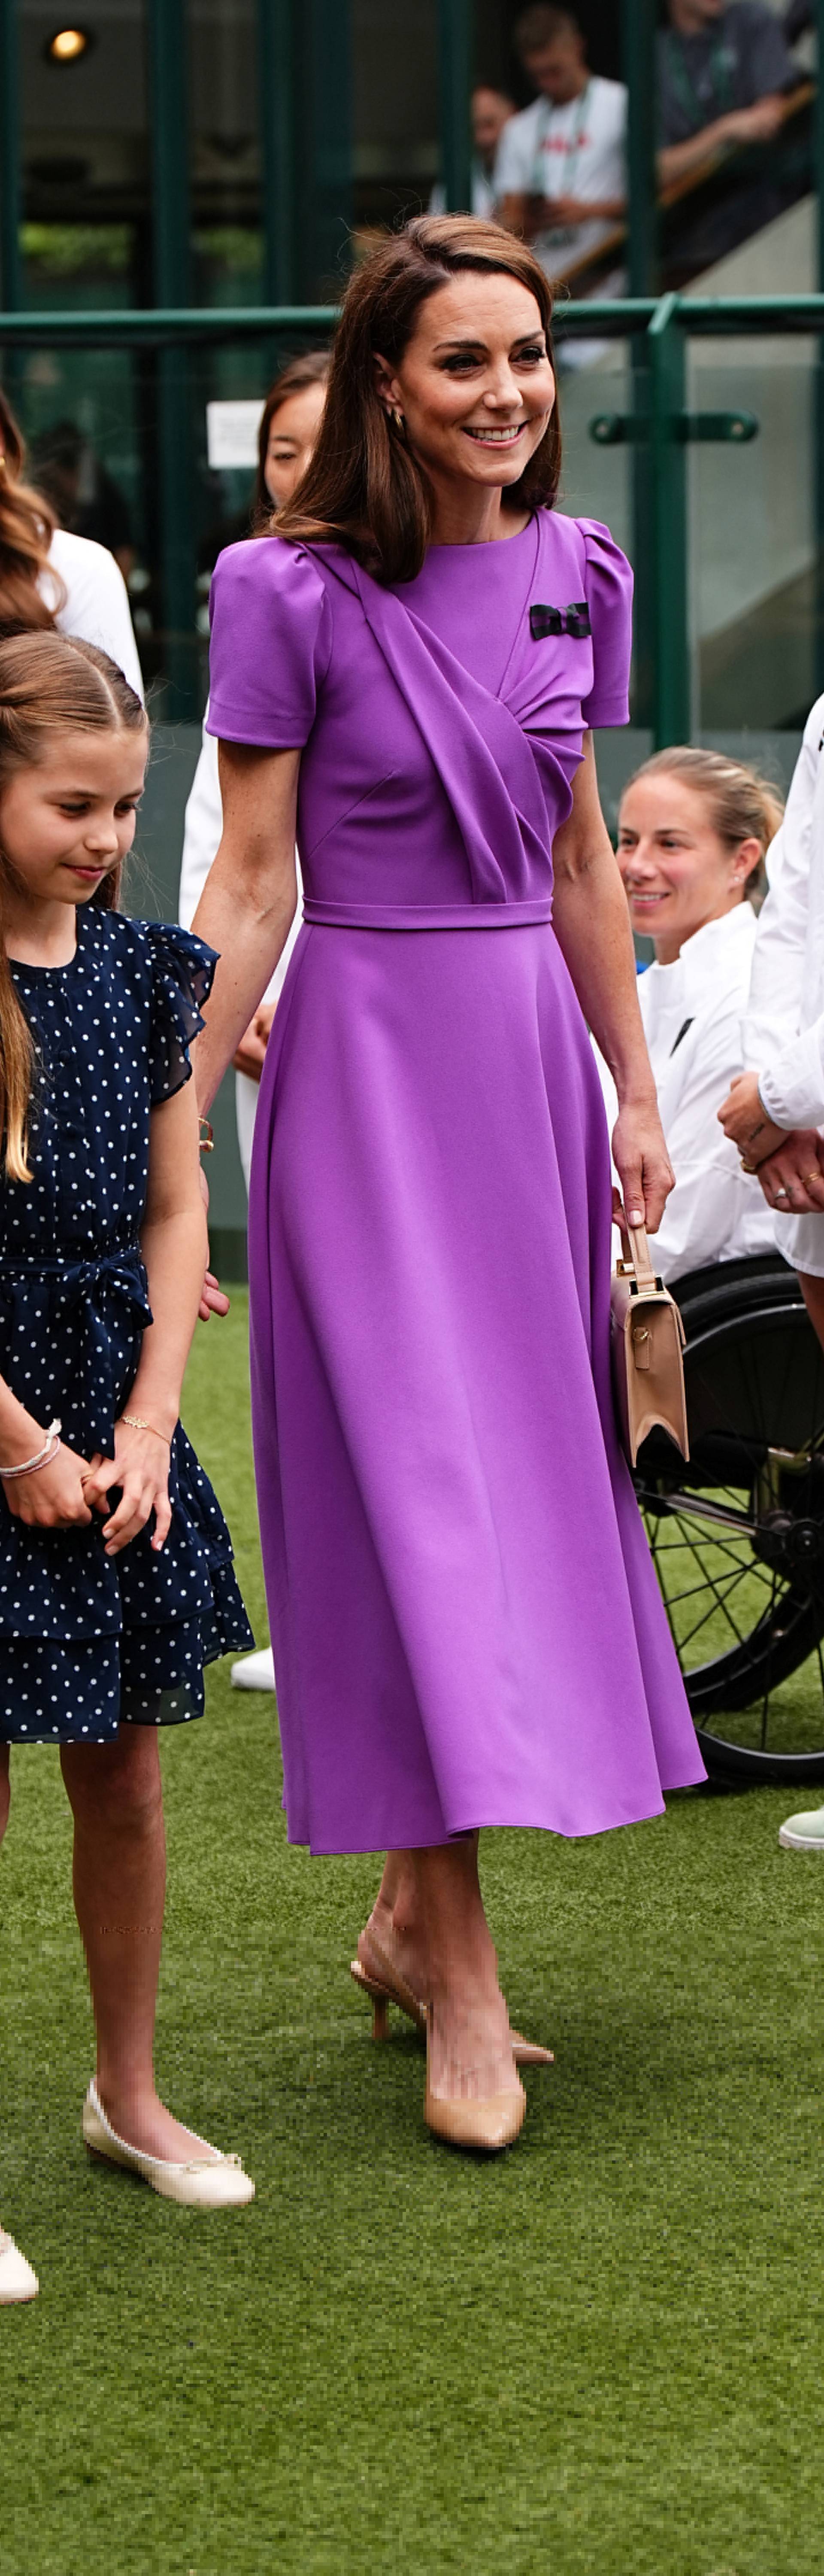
(384, 1985)
(484, 2126)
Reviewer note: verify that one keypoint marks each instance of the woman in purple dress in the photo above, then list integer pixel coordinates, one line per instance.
(466, 1624)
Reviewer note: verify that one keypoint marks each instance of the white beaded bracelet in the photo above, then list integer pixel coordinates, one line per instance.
(43, 1456)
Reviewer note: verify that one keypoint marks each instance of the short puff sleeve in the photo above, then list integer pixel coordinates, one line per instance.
(608, 582)
(182, 976)
(271, 637)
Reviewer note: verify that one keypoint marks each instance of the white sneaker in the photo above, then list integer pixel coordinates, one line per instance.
(805, 1832)
(255, 1672)
(210, 2181)
(17, 2280)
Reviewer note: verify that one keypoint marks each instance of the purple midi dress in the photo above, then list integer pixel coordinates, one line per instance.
(466, 1623)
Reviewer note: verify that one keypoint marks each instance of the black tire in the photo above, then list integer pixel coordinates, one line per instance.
(744, 1522)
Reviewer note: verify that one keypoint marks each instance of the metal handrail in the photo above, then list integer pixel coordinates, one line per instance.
(658, 327)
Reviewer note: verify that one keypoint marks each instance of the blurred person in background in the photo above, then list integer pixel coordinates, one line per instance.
(491, 110)
(693, 830)
(51, 576)
(723, 72)
(84, 495)
(288, 428)
(560, 175)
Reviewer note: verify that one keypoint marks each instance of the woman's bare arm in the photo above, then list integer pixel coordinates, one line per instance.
(592, 927)
(247, 906)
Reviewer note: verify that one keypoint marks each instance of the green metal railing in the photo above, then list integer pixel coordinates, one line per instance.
(657, 425)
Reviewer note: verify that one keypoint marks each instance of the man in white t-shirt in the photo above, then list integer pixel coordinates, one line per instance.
(560, 171)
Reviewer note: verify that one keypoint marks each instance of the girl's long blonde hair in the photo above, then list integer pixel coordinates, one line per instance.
(49, 684)
(743, 805)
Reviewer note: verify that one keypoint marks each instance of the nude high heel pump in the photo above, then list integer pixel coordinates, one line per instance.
(383, 1982)
(482, 2126)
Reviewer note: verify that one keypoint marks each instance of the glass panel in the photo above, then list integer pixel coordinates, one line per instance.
(227, 245)
(395, 110)
(753, 536)
(85, 156)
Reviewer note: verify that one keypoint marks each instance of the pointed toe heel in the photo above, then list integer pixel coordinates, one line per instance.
(481, 2127)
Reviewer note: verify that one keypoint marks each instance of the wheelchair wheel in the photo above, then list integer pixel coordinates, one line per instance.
(737, 1535)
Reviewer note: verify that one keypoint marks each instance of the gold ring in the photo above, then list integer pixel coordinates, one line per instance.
(747, 1167)
(811, 1176)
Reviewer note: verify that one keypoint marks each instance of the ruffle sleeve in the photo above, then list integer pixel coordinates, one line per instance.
(608, 582)
(271, 638)
(182, 976)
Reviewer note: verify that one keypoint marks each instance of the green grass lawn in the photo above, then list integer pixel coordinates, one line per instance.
(600, 2356)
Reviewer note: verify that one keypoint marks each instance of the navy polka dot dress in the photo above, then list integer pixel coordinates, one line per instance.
(87, 1640)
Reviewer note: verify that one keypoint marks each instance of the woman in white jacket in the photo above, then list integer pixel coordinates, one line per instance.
(774, 1112)
(693, 830)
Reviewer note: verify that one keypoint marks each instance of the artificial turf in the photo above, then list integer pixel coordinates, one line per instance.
(598, 2356)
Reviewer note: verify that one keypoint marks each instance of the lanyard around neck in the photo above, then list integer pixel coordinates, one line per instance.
(571, 143)
(718, 77)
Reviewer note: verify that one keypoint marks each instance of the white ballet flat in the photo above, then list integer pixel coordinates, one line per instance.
(210, 2181)
(254, 1672)
(17, 2280)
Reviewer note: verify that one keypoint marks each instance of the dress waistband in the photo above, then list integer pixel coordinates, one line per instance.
(422, 916)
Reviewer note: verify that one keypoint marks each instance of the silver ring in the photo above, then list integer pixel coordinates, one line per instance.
(782, 1194)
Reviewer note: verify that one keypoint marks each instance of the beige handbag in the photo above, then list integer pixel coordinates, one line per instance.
(647, 1344)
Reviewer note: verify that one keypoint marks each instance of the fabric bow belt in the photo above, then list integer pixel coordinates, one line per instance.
(38, 1296)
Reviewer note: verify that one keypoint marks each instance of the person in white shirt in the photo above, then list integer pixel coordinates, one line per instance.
(289, 425)
(490, 110)
(693, 831)
(774, 1111)
(560, 170)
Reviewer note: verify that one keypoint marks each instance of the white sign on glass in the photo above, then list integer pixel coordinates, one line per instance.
(232, 433)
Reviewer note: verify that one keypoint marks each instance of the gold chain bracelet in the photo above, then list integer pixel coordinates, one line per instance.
(136, 1423)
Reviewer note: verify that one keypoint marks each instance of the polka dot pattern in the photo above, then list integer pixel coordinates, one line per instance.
(87, 1641)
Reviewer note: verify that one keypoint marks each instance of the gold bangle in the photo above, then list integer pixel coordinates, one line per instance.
(136, 1423)
(207, 1142)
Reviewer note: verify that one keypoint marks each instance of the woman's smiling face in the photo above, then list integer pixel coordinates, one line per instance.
(475, 385)
(677, 871)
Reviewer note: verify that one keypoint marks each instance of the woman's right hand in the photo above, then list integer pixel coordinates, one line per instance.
(52, 1497)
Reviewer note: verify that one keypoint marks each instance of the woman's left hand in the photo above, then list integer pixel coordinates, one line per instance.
(792, 1179)
(744, 1120)
(642, 1164)
(140, 1467)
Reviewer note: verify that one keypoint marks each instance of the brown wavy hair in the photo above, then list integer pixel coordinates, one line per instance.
(310, 369)
(27, 525)
(363, 488)
(49, 684)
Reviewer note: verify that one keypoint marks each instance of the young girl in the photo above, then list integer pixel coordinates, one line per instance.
(116, 1581)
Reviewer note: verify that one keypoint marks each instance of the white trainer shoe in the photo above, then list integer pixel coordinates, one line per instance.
(17, 2280)
(210, 2181)
(255, 1672)
(805, 1832)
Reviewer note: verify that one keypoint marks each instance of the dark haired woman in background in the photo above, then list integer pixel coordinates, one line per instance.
(466, 1624)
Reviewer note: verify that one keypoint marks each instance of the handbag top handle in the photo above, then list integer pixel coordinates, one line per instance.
(642, 1265)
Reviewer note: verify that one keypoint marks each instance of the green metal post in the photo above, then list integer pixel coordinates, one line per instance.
(278, 123)
(10, 124)
(638, 25)
(168, 110)
(455, 37)
(323, 141)
(667, 458)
